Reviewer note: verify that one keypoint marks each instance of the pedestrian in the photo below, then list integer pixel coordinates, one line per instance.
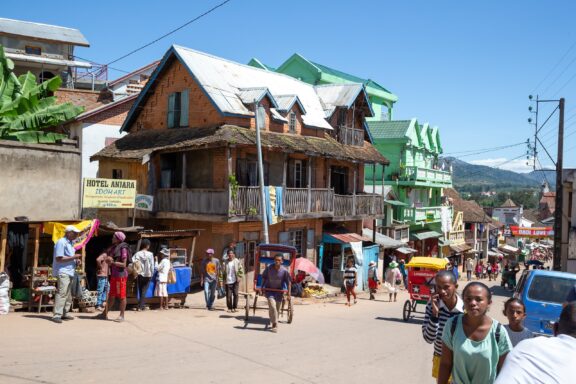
(505, 278)
(515, 311)
(163, 268)
(478, 270)
(145, 259)
(232, 273)
(65, 260)
(102, 271)
(469, 268)
(495, 270)
(489, 271)
(350, 280)
(119, 251)
(444, 303)
(547, 360)
(275, 279)
(475, 345)
(210, 270)
(393, 279)
(373, 279)
(403, 272)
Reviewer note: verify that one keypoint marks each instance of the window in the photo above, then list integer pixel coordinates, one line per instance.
(178, 109)
(298, 182)
(30, 50)
(549, 289)
(341, 117)
(294, 238)
(292, 124)
(116, 173)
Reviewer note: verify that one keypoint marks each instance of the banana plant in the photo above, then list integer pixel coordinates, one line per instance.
(27, 109)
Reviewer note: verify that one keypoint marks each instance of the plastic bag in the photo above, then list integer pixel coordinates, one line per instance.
(221, 293)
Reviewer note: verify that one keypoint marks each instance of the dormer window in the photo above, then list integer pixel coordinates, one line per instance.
(178, 109)
(292, 123)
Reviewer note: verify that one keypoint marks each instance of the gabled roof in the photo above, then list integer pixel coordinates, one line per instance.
(254, 62)
(395, 129)
(153, 64)
(471, 210)
(342, 95)
(105, 107)
(509, 204)
(285, 102)
(251, 95)
(424, 137)
(44, 32)
(222, 82)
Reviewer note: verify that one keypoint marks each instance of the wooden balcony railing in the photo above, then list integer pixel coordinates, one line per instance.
(198, 201)
(427, 214)
(413, 173)
(350, 136)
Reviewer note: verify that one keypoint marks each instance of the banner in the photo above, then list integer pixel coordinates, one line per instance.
(531, 231)
(144, 202)
(108, 193)
(87, 229)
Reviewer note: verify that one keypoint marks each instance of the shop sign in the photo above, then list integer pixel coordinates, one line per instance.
(108, 193)
(531, 231)
(144, 202)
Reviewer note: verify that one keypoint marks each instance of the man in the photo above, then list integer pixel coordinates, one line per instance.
(231, 275)
(63, 268)
(274, 279)
(469, 268)
(543, 359)
(119, 254)
(444, 303)
(210, 270)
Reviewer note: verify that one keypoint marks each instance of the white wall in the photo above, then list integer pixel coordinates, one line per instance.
(93, 140)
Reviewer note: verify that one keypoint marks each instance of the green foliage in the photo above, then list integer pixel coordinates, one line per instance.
(233, 185)
(528, 198)
(27, 108)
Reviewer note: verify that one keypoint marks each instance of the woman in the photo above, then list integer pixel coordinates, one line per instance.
(373, 279)
(474, 345)
(163, 267)
(394, 279)
(145, 259)
(350, 280)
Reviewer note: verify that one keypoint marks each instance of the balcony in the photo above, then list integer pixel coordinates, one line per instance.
(416, 175)
(425, 214)
(244, 203)
(350, 136)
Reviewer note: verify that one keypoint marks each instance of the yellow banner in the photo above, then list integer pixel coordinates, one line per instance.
(108, 193)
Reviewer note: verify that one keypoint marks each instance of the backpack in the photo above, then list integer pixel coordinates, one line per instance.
(458, 317)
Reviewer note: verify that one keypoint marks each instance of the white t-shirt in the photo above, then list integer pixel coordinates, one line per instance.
(163, 267)
(146, 258)
(231, 275)
(541, 360)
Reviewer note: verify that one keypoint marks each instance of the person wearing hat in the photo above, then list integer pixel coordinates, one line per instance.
(394, 279)
(64, 268)
(163, 267)
(120, 253)
(209, 272)
(372, 279)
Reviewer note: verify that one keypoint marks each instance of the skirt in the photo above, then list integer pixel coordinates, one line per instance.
(161, 290)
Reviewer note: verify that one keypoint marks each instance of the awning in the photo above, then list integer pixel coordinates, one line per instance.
(383, 240)
(395, 202)
(442, 242)
(406, 250)
(347, 237)
(425, 235)
(494, 254)
(46, 60)
(508, 249)
(460, 248)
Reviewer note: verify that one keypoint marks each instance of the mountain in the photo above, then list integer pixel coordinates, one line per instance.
(539, 176)
(472, 177)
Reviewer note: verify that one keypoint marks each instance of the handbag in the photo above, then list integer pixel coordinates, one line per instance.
(221, 293)
(171, 276)
(137, 267)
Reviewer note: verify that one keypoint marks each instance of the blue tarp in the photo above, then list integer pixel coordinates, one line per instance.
(182, 284)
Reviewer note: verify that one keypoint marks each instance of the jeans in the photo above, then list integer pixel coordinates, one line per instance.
(103, 288)
(274, 307)
(232, 295)
(63, 300)
(469, 275)
(142, 284)
(209, 292)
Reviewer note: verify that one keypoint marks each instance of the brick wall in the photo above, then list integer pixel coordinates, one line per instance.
(87, 99)
(113, 116)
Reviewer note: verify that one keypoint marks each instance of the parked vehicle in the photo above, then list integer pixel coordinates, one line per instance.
(543, 293)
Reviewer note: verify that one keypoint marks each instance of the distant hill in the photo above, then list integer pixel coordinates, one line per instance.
(471, 177)
(549, 175)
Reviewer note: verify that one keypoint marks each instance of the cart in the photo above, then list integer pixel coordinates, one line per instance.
(264, 256)
(421, 273)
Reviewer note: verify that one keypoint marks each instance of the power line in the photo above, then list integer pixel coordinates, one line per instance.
(483, 150)
(559, 76)
(554, 68)
(495, 166)
(171, 32)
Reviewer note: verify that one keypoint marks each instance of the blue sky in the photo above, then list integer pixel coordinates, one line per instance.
(466, 67)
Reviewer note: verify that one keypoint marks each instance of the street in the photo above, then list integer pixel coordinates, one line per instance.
(327, 343)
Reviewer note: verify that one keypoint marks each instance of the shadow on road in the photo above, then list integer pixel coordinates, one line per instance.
(44, 317)
(398, 320)
(501, 291)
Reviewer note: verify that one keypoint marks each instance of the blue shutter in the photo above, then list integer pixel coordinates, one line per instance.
(184, 108)
(284, 238)
(171, 103)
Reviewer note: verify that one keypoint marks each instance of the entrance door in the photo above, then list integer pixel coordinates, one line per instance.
(339, 180)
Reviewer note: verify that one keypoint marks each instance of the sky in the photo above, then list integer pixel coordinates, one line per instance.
(466, 67)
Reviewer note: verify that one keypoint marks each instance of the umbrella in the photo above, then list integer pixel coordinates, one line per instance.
(305, 265)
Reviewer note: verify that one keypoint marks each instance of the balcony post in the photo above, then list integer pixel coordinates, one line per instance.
(284, 175)
(183, 186)
(354, 192)
(374, 195)
(309, 184)
(228, 174)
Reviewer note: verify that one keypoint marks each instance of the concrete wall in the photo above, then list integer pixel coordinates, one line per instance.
(39, 181)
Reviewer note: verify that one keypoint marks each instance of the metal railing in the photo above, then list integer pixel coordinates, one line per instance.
(413, 173)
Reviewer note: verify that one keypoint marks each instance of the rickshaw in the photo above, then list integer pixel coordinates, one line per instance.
(421, 273)
(264, 257)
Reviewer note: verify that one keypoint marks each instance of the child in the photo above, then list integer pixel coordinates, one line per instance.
(515, 311)
(162, 285)
(373, 279)
(350, 280)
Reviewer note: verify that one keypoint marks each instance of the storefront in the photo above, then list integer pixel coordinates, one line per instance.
(425, 242)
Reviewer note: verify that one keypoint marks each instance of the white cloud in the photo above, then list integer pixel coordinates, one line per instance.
(521, 165)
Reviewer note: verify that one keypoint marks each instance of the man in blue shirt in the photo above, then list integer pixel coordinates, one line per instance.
(275, 279)
(64, 268)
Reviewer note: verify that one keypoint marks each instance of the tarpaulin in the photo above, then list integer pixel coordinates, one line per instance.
(87, 229)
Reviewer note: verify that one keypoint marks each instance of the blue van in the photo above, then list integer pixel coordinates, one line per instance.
(543, 292)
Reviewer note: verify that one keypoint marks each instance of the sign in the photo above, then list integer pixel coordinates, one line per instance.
(507, 231)
(144, 202)
(531, 231)
(108, 193)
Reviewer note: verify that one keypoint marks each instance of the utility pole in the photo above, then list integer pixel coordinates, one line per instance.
(557, 259)
(260, 124)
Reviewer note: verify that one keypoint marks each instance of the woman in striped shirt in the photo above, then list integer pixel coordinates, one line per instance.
(444, 303)
(350, 280)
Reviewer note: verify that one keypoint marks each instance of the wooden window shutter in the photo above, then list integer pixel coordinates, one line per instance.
(171, 105)
(184, 108)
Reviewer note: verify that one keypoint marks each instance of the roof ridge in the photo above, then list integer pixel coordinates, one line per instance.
(43, 24)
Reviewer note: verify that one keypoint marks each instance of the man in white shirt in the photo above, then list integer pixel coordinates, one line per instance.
(542, 359)
(231, 275)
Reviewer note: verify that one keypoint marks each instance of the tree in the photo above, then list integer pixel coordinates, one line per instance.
(27, 109)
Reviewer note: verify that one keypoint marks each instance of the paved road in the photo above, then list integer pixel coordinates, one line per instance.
(326, 343)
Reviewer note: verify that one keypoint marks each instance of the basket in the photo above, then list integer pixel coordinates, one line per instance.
(20, 294)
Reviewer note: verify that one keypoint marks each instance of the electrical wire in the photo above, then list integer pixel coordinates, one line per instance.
(483, 150)
(554, 68)
(494, 166)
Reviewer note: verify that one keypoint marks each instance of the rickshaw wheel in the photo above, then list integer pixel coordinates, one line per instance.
(407, 310)
(290, 311)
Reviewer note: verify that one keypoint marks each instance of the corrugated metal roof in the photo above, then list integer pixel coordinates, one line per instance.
(349, 77)
(249, 95)
(423, 235)
(383, 240)
(459, 248)
(389, 129)
(277, 116)
(348, 237)
(222, 80)
(47, 60)
(42, 31)
(285, 102)
(340, 95)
